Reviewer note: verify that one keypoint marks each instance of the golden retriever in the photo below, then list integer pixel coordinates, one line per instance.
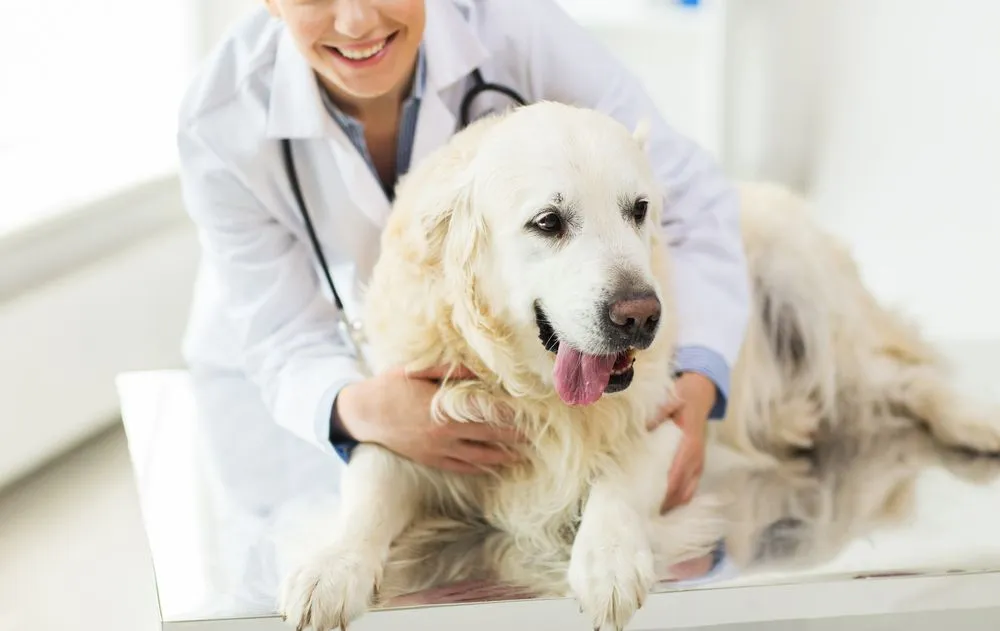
(529, 250)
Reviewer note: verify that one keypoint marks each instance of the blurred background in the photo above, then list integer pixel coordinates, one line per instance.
(886, 113)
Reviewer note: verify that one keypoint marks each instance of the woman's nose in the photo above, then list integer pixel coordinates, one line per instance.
(355, 18)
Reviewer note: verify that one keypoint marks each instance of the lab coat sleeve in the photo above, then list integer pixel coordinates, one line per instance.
(286, 329)
(564, 62)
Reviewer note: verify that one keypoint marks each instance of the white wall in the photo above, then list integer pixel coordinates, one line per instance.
(677, 52)
(775, 53)
(70, 333)
(102, 283)
(212, 18)
(887, 112)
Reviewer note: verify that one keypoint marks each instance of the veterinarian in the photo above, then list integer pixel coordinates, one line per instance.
(362, 90)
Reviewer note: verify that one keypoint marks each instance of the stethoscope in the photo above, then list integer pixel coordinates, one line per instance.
(352, 330)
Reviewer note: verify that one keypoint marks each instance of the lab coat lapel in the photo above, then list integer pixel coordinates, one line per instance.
(296, 110)
(435, 125)
(362, 185)
(453, 52)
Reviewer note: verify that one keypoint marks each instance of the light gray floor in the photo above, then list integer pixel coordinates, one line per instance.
(72, 548)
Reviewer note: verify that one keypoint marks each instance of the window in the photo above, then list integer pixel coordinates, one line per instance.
(90, 95)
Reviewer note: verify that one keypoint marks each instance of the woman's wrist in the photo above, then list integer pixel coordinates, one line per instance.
(350, 413)
(698, 392)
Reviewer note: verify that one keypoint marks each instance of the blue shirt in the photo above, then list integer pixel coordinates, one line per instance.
(407, 126)
(688, 359)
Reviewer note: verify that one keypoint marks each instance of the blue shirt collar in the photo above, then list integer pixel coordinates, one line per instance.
(347, 121)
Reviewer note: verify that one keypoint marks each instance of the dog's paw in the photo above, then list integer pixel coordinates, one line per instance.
(331, 590)
(611, 571)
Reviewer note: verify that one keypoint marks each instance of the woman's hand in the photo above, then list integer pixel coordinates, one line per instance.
(393, 409)
(689, 410)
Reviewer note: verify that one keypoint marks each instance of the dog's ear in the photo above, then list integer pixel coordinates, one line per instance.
(641, 132)
(459, 237)
(446, 211)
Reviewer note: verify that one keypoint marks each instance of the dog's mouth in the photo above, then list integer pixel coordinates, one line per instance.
(580, 378)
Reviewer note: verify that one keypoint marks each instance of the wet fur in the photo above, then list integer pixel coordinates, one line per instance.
(819, 352)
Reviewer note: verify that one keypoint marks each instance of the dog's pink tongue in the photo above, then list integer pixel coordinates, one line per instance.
(581, 379)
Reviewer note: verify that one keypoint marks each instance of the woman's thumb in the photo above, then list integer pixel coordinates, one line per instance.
(440, 372)
(664, 413)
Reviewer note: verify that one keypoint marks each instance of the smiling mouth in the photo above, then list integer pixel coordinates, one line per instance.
(580, 378)
(367, 53)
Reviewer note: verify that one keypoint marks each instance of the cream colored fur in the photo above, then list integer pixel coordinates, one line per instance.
(802, 513)
(455, 284)
(862, 361)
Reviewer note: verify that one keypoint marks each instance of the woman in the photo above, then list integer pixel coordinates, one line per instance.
(363, 89)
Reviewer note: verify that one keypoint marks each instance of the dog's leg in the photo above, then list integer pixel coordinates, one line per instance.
(611, 565)
(379, 498)
(612, 561)
(923, 392)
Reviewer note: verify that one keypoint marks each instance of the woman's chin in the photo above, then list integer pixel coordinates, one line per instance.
(368, 84)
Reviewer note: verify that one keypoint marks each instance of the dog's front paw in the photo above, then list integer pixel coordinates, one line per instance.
(331, 590)
(611, 571)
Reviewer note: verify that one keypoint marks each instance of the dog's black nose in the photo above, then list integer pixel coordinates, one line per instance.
(634, 318)
(635, 313)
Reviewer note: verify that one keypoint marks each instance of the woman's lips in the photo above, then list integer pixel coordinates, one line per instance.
(366, 54)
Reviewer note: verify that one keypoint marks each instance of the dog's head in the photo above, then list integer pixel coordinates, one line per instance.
(547, 241)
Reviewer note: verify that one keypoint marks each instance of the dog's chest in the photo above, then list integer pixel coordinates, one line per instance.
(535, 502)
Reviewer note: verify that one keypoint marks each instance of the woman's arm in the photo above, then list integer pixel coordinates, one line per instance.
(286, 329)
(563, 62)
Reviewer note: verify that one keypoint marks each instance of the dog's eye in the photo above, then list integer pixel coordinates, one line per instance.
(639, 210)
(549, 222)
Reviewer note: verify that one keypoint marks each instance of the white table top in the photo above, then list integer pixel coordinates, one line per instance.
(798, 543)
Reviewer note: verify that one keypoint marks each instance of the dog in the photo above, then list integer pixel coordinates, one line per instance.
(795, 516)
(529, 250)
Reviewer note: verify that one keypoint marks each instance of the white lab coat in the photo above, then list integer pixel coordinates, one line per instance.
(260, 305)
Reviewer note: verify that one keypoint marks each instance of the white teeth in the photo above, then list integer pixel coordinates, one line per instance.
(363, 53)
(631, 360)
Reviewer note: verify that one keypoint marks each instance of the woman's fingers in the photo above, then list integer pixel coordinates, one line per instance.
(664, 413)
(456, 466)
(440, 372)
(681, 491)
(486, 433)
(482, 454)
